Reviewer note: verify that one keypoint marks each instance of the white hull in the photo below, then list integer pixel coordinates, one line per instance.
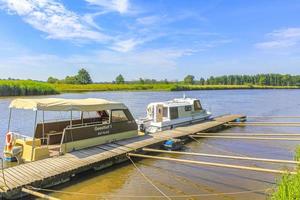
(168, 125)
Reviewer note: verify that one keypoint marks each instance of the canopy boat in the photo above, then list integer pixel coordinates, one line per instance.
(170, 114)
(110, 121)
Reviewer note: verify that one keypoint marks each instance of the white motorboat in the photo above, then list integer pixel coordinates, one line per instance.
(170, 114)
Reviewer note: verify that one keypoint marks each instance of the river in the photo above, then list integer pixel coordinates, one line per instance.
(181, 180)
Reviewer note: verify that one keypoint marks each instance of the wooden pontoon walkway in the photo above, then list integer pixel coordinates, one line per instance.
(55, 170)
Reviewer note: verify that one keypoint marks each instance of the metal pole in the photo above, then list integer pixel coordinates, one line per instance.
(223, 156)
(33, 140)
(81, 116)
(71, 118)
(245, 137)
(9, 120)
(248, 134)
(212, 164)
(38, 194)
(43, 125)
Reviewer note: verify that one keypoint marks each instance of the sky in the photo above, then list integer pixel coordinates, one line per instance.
(157, 39)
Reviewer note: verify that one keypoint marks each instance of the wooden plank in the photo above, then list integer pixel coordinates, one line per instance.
(17, 178)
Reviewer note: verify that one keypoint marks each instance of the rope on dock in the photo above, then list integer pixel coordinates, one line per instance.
(245, 137)
(151, 196)
(222, 156)
(212, 164)
(217, 148)
(147, 179)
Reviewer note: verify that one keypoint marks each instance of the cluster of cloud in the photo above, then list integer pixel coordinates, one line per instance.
(52, 18)
(283, 38)
(57, 22)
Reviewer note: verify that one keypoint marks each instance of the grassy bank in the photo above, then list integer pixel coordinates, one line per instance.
(25, 88)
(157, 87)
(288, 188)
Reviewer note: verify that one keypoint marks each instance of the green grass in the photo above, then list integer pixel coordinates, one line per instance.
(25, 88)
(157, 87)
(288, 188)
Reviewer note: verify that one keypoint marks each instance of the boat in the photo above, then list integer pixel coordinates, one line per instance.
(170, 114)
(91, 122)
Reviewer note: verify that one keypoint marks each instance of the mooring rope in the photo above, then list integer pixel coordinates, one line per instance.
(150, 196)
(219, 149)
(147, 179)
(2, 171)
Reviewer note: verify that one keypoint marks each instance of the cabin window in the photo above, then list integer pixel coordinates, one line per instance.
(96, 116)
(197, 105)
(188, 108)
(173, 113)
(118, 116)
(165, 112)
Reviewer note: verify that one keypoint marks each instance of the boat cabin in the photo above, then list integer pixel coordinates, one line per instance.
(174, 109)
(100, 121)
(169, 114)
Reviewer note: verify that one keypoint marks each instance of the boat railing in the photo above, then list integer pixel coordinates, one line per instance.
(20, 136)
(87, 125)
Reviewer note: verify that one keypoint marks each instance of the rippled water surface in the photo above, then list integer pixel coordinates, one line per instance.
(186, 181)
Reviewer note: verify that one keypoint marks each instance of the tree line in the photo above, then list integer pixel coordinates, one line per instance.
(259, 79)
(83, 77)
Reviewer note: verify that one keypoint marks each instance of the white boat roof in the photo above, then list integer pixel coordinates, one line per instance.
(59, 104)
(177, 102)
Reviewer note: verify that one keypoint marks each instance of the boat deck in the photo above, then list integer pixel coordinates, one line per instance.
(58, 169)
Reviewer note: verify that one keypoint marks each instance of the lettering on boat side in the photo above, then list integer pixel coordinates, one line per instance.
(102, 130)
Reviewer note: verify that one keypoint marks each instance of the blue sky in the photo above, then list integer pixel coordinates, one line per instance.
(150, 39)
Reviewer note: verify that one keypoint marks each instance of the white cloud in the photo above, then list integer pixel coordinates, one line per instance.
(51, 17)
(126, 45)
(121, 6)
(149, 20)
(283, 38)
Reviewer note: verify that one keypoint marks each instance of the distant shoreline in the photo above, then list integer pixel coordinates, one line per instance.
(65, 88)
(31, 88)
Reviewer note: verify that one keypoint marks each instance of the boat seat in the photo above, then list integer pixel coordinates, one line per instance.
(54, 137)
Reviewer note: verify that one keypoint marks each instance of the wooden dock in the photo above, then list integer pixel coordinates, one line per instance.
(56, 170)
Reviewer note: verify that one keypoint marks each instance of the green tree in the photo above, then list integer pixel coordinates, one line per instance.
(52, 80)
(120, 79)
(202, 81)
(142, 81)
(83, 77)
(189, 79)
(71, 80)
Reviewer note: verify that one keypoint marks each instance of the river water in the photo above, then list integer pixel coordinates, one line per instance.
(186, 181)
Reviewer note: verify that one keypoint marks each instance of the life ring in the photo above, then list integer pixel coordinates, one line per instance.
(9, 140)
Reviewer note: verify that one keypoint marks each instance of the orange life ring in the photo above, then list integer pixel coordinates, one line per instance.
(9, 140)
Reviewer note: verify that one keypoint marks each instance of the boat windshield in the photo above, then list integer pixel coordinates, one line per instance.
(197, 105)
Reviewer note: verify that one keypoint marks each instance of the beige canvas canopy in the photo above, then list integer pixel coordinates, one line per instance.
(58, 104)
